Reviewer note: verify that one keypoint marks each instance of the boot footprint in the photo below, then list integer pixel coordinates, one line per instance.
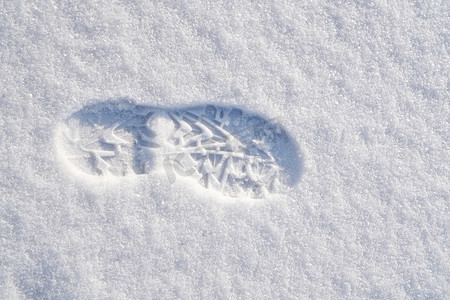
(222, 148)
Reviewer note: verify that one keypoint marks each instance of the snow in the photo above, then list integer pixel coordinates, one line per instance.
(360, 86)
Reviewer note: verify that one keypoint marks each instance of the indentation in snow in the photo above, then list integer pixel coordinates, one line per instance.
(222, 148)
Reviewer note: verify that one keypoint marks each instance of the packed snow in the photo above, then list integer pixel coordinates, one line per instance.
(358, 89)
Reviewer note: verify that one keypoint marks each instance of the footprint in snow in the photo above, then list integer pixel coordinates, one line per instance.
(222, 148)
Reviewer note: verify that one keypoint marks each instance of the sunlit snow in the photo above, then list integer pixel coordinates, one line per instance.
(358, 89)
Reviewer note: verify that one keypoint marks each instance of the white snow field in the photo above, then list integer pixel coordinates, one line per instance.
(224, 150)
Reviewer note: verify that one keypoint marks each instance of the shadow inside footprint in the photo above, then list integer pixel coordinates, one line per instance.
(224, 148)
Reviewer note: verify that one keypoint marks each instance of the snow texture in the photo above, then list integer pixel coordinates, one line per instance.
(359, 92)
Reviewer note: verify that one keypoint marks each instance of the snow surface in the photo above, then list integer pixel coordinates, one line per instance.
(361, 86)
